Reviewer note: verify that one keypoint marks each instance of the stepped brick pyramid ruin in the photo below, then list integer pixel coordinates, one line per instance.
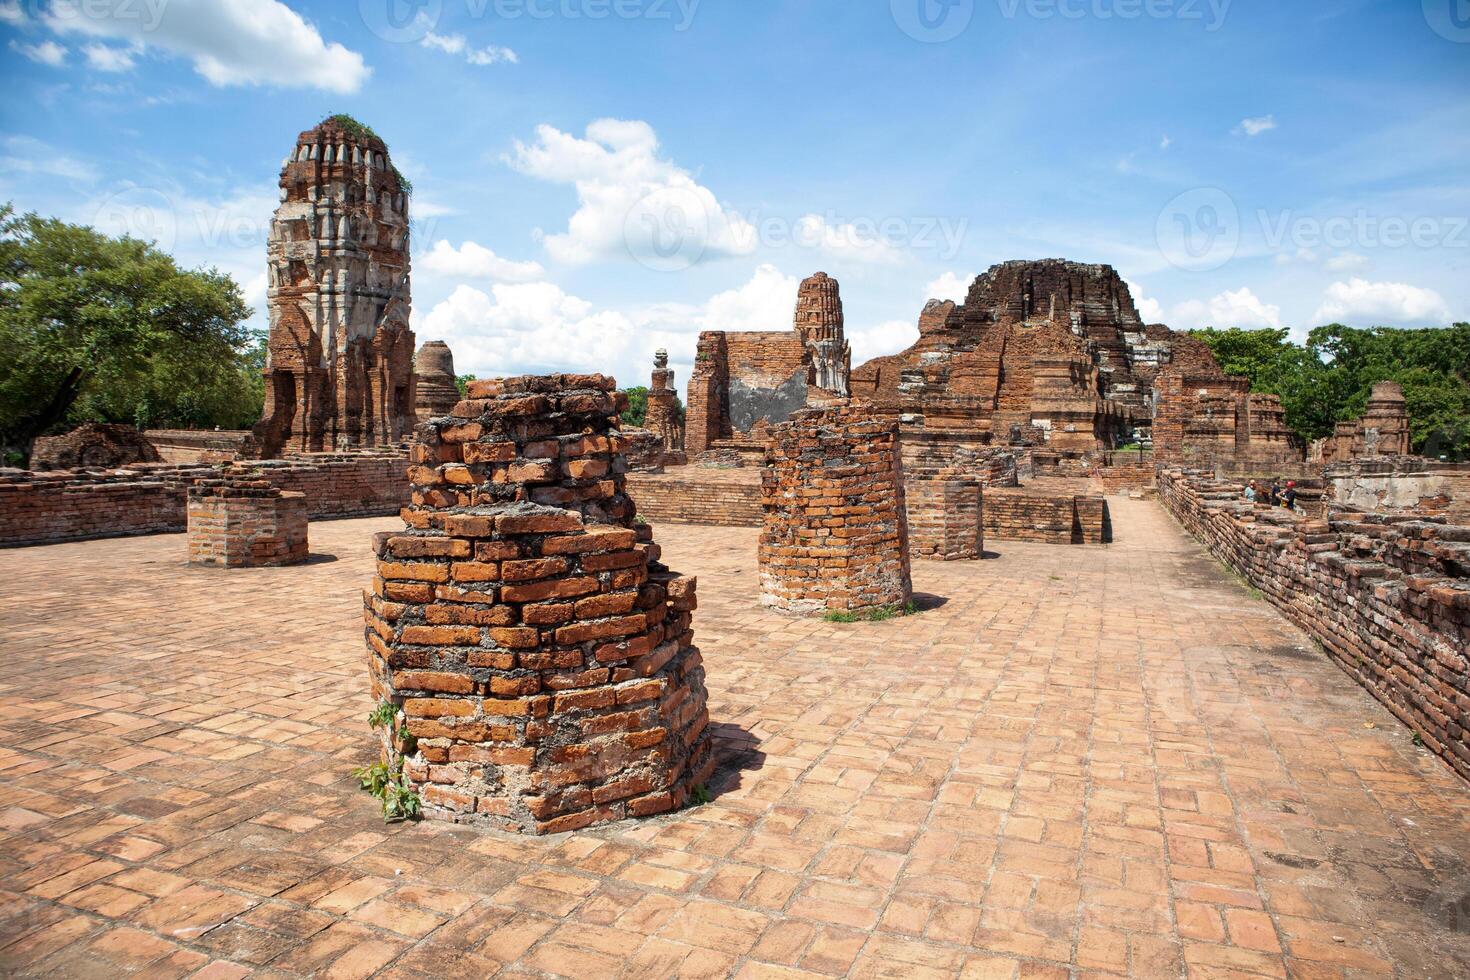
(542, 654)
(340, 362)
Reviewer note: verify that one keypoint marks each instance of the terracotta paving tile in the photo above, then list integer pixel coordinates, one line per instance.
(1084, 763)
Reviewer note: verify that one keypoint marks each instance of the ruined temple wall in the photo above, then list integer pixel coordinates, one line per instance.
(688, 495)
(45, 508)
(1386, 597)
(945, 517)
(1026, 514)
(705, 418)
(197, 445)
(767, 375)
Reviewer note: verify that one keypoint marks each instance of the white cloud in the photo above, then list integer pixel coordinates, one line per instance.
(951, 285)
(474, 261)
(236, 42)
(456, 44)
(46, 53)
(1165, 142)
(888, 337)
(516, 328)
(844, 241)
(11, 13)
(104, 58)
(1232, 308)
(767, 302)
(631, 201)
(1346, 262)
(1150, 310)
(25, 155)
(1255, 126)
(1361, 303)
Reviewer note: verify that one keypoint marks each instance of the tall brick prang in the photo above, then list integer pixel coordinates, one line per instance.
(835, 533)
(542, 656)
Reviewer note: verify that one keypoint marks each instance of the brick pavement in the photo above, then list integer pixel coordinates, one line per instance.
(1084, 762)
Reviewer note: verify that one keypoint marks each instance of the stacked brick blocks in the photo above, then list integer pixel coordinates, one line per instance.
(542, 656)
(835, 532)
(245, 524)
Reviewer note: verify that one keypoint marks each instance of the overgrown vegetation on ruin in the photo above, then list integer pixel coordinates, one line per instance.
(637, 412)
(362, 131)
(101, 329)
(1328, 379)
(385, 780)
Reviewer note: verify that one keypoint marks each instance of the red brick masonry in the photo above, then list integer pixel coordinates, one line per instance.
(246, 523)
(542, 656)
(835, 534)
(43, 508)
(1388, 597)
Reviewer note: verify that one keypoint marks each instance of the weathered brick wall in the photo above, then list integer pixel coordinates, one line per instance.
(540, 653)
(42, 508)
(835, 528)
(1024, 514)
(690, 495)
(195, 445)
(944, 515)
(246, 524)
(1387, 596)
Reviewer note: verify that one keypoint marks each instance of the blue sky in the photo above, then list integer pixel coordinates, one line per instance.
(1241, 162)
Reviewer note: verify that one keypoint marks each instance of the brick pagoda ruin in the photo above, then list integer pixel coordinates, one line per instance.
(835, 533)
(339, 371)
(541, 654)
(744, 382)
(662, 417)
(1382, 431)
(240, 523)
(434, 381)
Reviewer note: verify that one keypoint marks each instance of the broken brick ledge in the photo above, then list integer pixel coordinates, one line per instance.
(1388, 597)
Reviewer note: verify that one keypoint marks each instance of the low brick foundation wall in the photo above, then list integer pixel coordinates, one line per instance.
(1124, 479)
(1020, 514)
(246, 524)
(1388, 597)
(65, 505)
(692, 495)
(197, 445)
(945, 518)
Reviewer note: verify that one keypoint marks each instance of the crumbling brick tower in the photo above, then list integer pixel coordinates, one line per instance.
(662, 417)
(542, 655)
(835, 533)
(339, 368)
(819, 321)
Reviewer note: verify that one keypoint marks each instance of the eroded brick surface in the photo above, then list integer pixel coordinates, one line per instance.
(1122, 765)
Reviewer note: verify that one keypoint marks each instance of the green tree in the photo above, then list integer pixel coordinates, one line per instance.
(463, 384)
(637, 406)
(1330, 378)
(112, 330)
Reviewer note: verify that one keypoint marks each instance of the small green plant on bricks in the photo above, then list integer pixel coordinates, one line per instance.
(385, 780)
(699, 795)
(878, 615)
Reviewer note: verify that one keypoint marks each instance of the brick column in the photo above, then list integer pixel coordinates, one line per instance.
(835, 534)
(246, 523)
(542, 656)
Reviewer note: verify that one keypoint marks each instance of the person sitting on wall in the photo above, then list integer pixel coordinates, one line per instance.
(1250, 492)
(1289, 495)
(1275, 496)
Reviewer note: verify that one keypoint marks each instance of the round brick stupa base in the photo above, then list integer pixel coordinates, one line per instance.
(835, 531)
(542, 657)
